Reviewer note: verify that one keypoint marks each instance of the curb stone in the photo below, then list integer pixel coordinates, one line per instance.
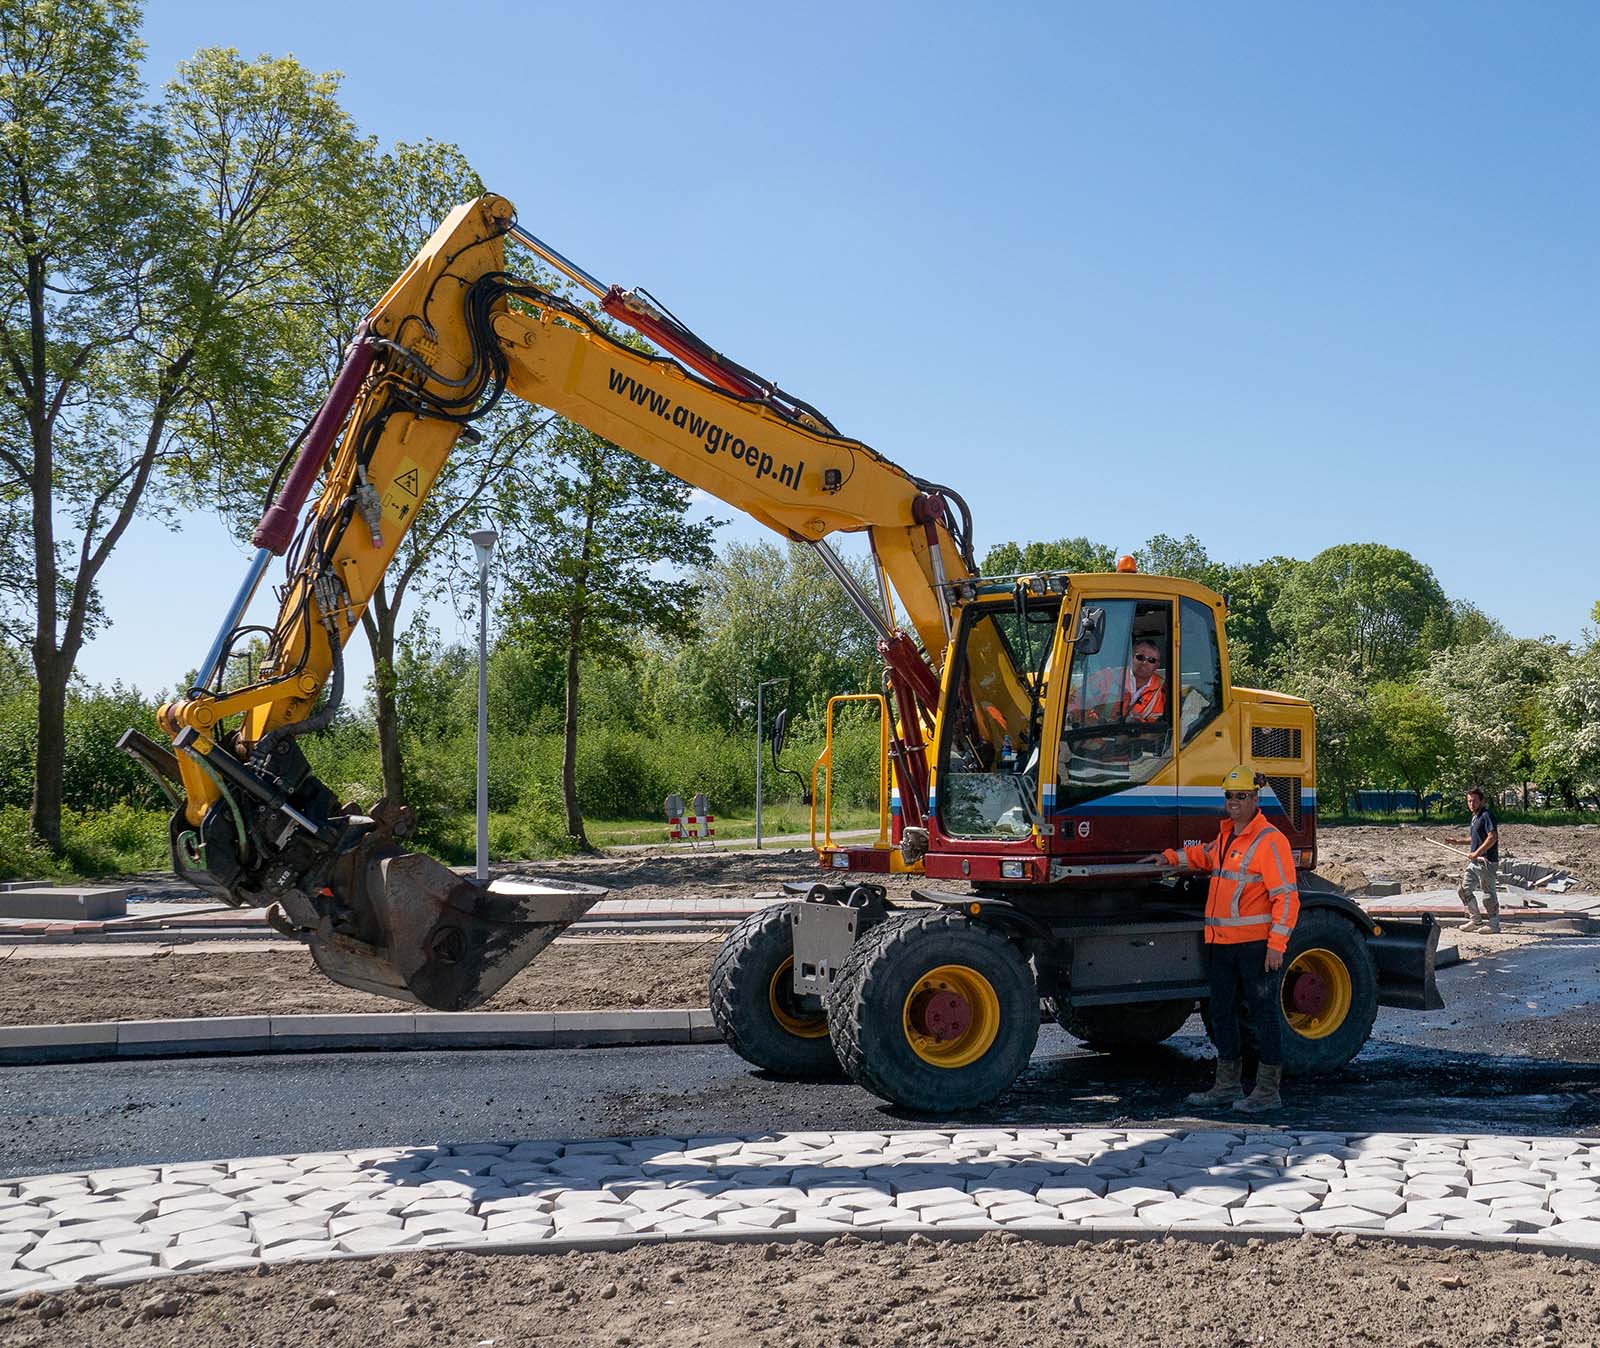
(90, 1041)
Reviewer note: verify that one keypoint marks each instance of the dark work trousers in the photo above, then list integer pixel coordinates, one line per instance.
(1238, 974)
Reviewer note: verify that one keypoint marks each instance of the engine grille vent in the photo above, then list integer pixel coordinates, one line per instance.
(1274, 741)
(1287, 790)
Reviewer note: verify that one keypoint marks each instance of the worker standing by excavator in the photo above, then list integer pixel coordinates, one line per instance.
(1251, 909)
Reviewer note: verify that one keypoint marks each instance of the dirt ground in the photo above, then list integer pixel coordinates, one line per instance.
(1001, 1291)
(597, 972)
(1406, 852)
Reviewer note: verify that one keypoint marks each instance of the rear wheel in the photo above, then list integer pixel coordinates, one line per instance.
(1125, 1028)
(754, 1004)
(934, 1013)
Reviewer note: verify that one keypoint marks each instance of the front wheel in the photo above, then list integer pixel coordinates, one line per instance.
(754, 1005)
(934, 1013)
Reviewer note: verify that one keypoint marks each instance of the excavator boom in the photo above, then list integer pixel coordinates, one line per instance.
(455, 332)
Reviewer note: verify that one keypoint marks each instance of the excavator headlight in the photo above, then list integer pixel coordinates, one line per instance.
(1013, 870)
(840, 861)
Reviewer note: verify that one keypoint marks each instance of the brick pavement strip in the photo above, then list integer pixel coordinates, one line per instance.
(113, 1227)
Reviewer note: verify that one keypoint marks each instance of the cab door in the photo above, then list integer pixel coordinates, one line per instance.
(1115, 794)
(1206, 751)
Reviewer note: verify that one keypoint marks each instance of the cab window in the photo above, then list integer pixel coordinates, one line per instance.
(1200, 670)
(988, 765)
(1117, 731)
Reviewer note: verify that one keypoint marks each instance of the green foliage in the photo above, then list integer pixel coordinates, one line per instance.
(1064, 554)
(1414, 741)
(1488, 691)
(1364, 605)
(1256, 647)
(117, 840)
(774, 613)
(1568, 750)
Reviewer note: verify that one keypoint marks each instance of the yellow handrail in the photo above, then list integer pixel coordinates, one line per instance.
(825, 760)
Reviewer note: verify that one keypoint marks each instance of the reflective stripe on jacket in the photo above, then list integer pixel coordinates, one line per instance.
(1253, 896)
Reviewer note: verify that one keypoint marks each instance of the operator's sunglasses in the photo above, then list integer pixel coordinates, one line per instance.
(1238, 795)
(1147, 659)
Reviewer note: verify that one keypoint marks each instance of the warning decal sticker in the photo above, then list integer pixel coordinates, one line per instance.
(400, 500)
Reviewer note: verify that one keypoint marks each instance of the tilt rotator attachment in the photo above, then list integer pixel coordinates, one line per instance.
(378, 917)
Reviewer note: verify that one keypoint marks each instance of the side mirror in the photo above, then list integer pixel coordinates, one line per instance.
(780, 733)
(1091, 631)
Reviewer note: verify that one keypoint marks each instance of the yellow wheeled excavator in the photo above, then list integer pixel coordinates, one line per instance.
(1007, 771)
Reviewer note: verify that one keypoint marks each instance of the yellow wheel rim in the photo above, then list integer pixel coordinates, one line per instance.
(1317, 993)
(781, 1002)
(951, 1016)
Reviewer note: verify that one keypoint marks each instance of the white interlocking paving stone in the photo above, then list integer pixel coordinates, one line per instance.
(201, 1202)
(183, 1257)
(1585, 1232)
(43, 1256)
(179, 1222)
(1216, 1195)
(1526, 1219)
(138, 1244)
(1573, 1205)
(286, 1235)
(368, 1221)
(16, 1242)
(944, 1212)
(1452, 1207)
(99, 1266)
(1134, 1196)
(1013, 1212)
(443, 1221)
(1325, 1219)
(20, 1280)
(929, 1197)
(1381, 1201)
(297, 1249)
(1403, 1222)
(1263, 1214)
(1181, 1210)
(1482, 1193)
(97, 1231)
(366, 1242)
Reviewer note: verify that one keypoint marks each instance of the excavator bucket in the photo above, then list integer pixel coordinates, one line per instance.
(421, 933)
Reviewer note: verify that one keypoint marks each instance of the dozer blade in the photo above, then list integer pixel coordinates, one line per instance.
(1404, 953)
(430, 936)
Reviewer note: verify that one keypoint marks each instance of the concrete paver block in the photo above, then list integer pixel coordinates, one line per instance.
(182, 1257)
(65, 903)
(98, 1266)
(42, 1257)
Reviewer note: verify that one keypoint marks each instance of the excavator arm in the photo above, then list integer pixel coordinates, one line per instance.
(253, 825)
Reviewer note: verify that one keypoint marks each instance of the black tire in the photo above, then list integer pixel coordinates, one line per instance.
(1126, 1028)
(872, 1007)
(752, 1001)
(1336, 944)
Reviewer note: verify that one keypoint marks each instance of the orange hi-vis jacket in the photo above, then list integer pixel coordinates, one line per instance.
(1114, 694)
(1253, 895)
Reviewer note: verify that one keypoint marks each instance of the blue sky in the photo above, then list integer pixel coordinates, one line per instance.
(1278, 276)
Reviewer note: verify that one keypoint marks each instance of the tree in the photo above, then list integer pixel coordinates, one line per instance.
(144, 254)
(1411, 731)
(1569, 730)
(772, 612)
(1344, 733)
(1185, 558)
(1361, 604)
(1256, 651)
(1064, 554)
(585, 547)
(1485, 690)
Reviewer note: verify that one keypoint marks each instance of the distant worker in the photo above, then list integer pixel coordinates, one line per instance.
(1482, 864)
(1134, 693)
(1251, 908)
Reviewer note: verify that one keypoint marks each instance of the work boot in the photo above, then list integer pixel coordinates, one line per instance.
(1226, 1089)
(1265, 1097)
(1474, 920)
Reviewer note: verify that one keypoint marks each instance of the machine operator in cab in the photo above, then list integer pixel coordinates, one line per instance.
(1251, 908)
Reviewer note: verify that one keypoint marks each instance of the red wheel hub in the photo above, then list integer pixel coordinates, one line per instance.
(942, 1015)
(1309, 993)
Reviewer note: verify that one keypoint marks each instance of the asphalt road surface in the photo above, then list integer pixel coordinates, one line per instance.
(77, 1116)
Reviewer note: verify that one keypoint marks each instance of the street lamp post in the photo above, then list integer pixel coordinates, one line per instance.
(760, 689)
(483, 541)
